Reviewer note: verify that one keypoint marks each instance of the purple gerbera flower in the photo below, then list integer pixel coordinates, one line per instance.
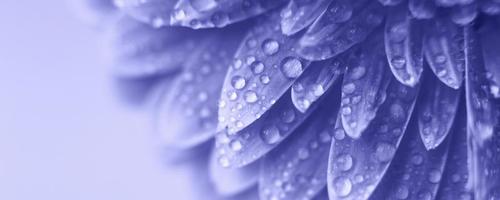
(338, 99)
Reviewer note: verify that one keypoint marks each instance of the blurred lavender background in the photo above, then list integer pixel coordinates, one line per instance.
(62, 133)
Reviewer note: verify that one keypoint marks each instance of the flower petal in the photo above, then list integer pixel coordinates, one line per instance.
(390, 2)
(265, 66)
(299, 14)
(443, 48)
(251, 143)
(456, 176)
(153, 12)
(344, 24)
(218, 13)
(313, 83)
(437, 108)
(93, 12)
(139, 51)
(482, 116)
(415, 171)
(232, 181)
(364, 87)
(297, 168)
(188, 114)
(490, 38)
(422, 9)
(372, 153)
(403, 45)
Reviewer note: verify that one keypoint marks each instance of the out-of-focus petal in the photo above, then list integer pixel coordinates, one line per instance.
(188, 113)
(390, 2)
(481, 111)
(464, 14)
(93, 12)
(482, 118)
(138, 50)
(415, 172)
(422, 9)
(437, 108)
(444, 51)
(265, 66)
(403, 45)
(232, 181)
(153, 12)
(456, 176)
(364, 86)
(490, 40)
(313, 83)
(344, 24)
(297, 168)
(251, 143)
(372, 153)
(299, 14)
(218, 13)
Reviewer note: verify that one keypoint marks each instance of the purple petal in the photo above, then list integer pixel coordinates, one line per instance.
(299, 14)
(218, 13)
(481, 113)
(372, 153)
(139, 50)
(265, 66)
(313, 83)
(437, 108)
(232, 181)
(390, 2)
(482, 118)
(415, 172)
(456, 176)
(443, 48)
(344, 24)
(490, 7)
(364, 87)
(251, 143)
(403, 45)
(188, 114)
(297, 168)
(153, 12)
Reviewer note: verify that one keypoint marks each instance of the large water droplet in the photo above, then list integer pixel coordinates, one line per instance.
(270, 134)
(291, 67)
(344, 162)
(385, 152)
(270, 47)
(251, 97)
(238, 82)
(342, 186)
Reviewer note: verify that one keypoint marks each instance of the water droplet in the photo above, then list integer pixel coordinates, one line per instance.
(358, 73)
(236, 145)
(342, 186)
(257, 67)
(291, 67)
(402, 192)
(434, 176)
(303, 153)
(344, 162)
(270, 134)
(270, 47)
(318, 90)
(224, 161)
(288, 116)
(251, 97)
(324, 136)
(349, 88)
(264, 79)
(385, 152)
(238, 82)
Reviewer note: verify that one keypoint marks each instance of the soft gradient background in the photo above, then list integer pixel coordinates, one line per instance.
(63, 132)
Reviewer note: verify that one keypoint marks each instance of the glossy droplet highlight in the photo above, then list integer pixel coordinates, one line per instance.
(238, 82)
(342, 186)
(270, 134)
(291, 67)
(270, 47)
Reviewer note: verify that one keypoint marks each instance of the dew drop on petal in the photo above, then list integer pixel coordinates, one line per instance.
(251, 97)
(270, 47)
(342, 186)
(384, 152)
(291, 67)
(270, 134)
(238, 82)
